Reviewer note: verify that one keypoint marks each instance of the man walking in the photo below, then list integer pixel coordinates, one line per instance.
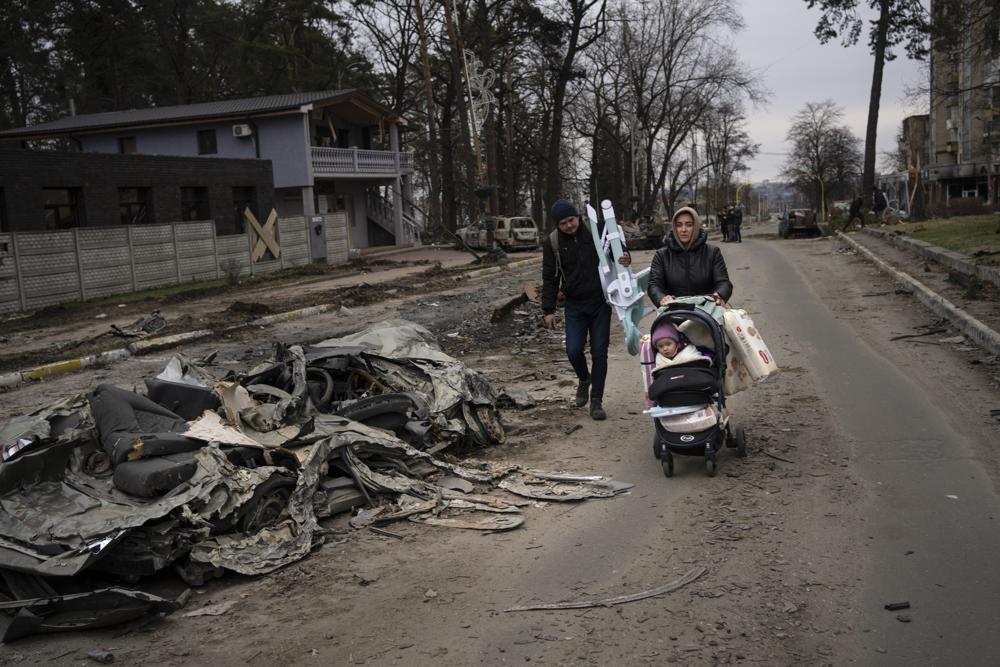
(570, 262)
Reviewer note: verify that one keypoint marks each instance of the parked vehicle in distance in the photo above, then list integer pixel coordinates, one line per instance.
(514, 233)
(509, 233)
(798, 221)
(643, 234)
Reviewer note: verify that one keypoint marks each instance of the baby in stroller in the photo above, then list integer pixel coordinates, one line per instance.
(674, 349)
(684, 385)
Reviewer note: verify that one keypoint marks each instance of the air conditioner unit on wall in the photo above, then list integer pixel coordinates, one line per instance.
(242, 130)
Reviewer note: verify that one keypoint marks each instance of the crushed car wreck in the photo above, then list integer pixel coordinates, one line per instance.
(204, 474)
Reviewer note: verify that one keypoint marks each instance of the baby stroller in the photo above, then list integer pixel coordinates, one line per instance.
(687, 402)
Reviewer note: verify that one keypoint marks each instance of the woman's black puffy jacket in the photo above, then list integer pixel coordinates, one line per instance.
(696, 271)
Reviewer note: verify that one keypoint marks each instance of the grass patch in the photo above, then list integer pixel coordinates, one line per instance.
(967, 235)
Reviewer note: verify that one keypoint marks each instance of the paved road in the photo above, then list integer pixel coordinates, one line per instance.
(931, 524)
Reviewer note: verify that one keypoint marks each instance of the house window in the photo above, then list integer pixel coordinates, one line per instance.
(63, 208)
(194, 204)
(243, 198)
(343, 138)
(134, 205)
(126, 145)
(206, 142)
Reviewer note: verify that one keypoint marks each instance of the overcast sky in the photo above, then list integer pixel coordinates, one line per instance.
(778, 42)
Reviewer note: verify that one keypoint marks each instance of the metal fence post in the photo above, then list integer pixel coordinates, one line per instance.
(17, 272)
(177, 251)
(131, 255)
(249, 234)
(79, 263)
(215, 253)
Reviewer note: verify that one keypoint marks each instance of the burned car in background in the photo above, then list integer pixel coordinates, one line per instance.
(799, 221)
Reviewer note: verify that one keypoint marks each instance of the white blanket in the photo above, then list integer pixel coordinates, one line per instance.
(687, 354)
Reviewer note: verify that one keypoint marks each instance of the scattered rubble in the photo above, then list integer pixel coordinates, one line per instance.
(204, 474)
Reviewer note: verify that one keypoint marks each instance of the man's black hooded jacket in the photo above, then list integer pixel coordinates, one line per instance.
(579, 278)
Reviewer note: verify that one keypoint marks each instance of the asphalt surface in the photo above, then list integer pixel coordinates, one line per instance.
(931, 525)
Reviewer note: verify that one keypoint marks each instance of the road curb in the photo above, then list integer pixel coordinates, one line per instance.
(984, 336)
(287, 316)
(146, 346)
(955, 261)
(499, 268)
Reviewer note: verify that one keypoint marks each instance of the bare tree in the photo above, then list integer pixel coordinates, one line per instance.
(727, 145)
(662, 69)
(823, 148)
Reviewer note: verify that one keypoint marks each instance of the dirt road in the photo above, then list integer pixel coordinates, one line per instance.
(870, 479)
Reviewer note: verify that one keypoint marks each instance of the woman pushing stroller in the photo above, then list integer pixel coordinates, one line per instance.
(685, 381)
(687, 265)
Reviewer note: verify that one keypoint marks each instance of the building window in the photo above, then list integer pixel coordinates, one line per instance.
(243, 198)
(134, 206)
(63, 208)
(194, 204)
(3, 213)
(126, 145)
(206, 142)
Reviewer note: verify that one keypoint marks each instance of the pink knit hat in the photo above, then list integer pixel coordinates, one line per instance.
(666, 330)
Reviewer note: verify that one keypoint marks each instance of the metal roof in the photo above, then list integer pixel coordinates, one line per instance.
(252, 106)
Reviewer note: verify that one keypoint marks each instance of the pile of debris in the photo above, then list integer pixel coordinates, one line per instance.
(205, 474)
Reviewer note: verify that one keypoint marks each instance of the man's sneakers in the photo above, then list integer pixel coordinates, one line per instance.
(597, 412)
(582, 393)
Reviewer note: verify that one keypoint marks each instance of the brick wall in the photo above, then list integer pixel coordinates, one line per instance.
(23, 175)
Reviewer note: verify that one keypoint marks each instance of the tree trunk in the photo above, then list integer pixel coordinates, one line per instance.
(868, 174)
(433, 151)
(458, 78)
(507, 97)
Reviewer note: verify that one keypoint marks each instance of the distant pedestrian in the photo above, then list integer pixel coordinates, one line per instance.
(570, 262)
(724, 222)
(855, 213)
(879, 204)
(737, 225)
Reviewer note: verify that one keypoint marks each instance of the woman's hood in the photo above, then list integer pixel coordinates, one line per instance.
(696, 236)
(699, 240)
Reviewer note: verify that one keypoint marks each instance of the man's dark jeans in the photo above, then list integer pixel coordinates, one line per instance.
(593, 319)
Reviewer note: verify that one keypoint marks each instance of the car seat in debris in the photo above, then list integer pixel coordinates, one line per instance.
(152, 477)
(131, 426)
(186, 400)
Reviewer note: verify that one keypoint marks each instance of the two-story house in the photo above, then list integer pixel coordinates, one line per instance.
(330, 151)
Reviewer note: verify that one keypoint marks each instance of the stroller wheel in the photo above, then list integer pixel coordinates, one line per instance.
(711, 467)
(741, 442)
(667, 462)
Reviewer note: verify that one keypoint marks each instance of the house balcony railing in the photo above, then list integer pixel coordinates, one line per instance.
(360, 162)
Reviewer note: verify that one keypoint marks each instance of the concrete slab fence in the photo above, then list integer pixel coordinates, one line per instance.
(39, 269)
